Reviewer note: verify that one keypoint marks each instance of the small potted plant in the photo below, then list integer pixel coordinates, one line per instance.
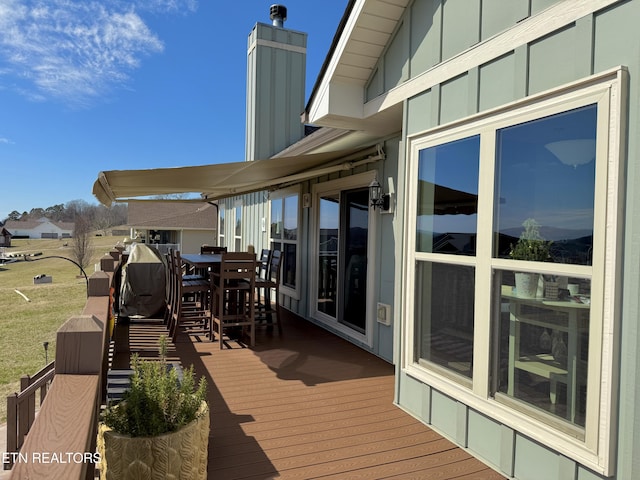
(531, 246)
(161, 427)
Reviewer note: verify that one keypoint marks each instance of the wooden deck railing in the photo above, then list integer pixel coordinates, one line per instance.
(61, 441)
(21, 408)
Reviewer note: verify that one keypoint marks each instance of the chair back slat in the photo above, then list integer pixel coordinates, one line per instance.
(237, 265)
(268, 302)
(274, 266)
(262, 267)
(204, 249)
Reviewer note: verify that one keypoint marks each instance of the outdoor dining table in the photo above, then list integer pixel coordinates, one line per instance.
(202, 261)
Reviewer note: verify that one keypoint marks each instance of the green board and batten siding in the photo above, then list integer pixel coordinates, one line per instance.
(432, 32)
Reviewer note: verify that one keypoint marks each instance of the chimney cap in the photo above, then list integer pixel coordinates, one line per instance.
(278, 14)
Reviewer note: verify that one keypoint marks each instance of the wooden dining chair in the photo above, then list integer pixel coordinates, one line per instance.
(204, 249)
(268, 305)
(190, 302)
(175, 275)
(262, 267)
(172, 289)
(173, 304)
(232, 292)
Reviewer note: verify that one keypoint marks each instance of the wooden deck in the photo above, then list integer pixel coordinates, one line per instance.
(305, 405)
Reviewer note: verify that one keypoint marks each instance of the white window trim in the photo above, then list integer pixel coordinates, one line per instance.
(336, 186)
(222, 212)
(280, 195)
(237, 209)
(608, 89)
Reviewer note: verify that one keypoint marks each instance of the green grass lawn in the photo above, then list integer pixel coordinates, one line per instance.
(26, 325)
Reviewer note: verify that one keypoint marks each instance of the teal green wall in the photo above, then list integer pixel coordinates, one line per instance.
(618, 44)
(593, 44)
(460, 26)
(436, 30)
(500, 82)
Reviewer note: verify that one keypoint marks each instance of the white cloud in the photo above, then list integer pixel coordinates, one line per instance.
(76, 51)
(5, 141)
(166, 6)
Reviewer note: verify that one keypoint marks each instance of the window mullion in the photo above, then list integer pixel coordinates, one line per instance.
(482, 328)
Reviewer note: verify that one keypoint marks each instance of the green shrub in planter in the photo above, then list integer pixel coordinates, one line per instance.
(161, 427)
(157, 402)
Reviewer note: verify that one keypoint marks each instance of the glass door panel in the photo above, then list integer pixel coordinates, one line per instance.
(354, 267)
(342, 257)
(328, 254)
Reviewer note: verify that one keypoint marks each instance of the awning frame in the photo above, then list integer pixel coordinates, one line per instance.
(344, 164)
(228, 177)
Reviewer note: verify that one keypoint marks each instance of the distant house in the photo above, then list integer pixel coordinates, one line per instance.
(5, 237)
(41, 228)
(186, 225)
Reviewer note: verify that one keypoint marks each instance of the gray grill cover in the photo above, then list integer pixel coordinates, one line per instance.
(143, 283)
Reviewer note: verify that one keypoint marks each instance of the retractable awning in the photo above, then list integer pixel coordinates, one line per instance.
(224, 180)
(434, 199)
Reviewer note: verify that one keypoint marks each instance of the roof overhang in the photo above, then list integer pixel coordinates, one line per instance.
(222, 180)
(338, 96)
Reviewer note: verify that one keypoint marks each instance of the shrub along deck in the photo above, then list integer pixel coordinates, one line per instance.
(306, 404)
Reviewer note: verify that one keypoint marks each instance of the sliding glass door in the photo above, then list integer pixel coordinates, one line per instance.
(342, 253)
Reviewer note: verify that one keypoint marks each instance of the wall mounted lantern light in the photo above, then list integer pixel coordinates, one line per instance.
(378, 198)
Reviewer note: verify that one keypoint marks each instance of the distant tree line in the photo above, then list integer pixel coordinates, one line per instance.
(98, 217)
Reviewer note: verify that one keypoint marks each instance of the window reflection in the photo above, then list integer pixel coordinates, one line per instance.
(276, 219)
(543, 343)
(546, 172)
(238, 221)
(291, 217)
(238, 239)
(448, 197)
(445, 315)
(328, 254)
(289, 265)
(221, 227)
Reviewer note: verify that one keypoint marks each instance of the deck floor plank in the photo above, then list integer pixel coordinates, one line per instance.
(306, 405)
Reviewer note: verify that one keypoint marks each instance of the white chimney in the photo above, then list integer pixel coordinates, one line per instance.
(276, 67)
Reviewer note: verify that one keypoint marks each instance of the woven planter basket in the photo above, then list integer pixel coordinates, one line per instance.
(178, 455)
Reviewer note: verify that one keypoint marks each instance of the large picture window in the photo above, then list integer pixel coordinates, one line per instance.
(512, 236)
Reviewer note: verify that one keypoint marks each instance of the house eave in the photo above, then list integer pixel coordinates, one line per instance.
(362, 36)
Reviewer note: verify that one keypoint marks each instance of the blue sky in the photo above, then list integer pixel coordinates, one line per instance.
(91, 85)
